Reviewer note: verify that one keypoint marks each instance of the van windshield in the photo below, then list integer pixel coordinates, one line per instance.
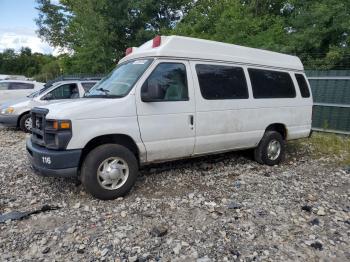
(120, 81)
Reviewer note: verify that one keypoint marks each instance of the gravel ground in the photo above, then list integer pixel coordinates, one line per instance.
(217, 208)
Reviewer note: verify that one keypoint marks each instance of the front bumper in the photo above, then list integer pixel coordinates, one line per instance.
(9, 120)
(55, 163)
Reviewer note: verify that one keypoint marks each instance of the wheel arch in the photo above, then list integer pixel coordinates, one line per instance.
(280, 128)
(120, 139)
(20, 117)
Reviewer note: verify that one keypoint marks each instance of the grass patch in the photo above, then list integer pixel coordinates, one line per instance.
(324, 145)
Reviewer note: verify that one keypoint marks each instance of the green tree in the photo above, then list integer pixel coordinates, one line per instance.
(26, 63)
(316, 31)
(98, 31)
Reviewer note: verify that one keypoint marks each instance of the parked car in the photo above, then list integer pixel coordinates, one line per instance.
(173, 97)
(14, 89)
(17, 113)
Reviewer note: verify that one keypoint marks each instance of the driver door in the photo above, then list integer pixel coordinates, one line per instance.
(167, 123)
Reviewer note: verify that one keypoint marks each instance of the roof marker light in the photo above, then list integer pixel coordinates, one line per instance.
(157, 41)
(128, 51)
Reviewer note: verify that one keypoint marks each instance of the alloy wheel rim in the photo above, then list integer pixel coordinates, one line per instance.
(112, 173)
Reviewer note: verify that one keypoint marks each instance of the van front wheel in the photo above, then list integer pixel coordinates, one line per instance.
(109, 171)
(271, 149)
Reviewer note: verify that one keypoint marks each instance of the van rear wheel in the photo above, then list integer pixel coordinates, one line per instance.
(271, 149)
(109, 171)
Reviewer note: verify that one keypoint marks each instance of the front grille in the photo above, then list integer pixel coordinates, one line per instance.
(39, 124)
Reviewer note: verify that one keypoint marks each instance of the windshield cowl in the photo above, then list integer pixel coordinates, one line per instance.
(102, 96)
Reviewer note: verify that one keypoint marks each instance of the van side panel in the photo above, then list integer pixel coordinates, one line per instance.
(240, 123)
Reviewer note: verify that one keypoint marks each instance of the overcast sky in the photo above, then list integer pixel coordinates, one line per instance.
(17, 26)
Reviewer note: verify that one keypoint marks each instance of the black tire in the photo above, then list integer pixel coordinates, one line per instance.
(261, 152)
(22, 123)
(92, 162)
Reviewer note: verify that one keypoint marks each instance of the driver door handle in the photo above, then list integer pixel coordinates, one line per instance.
(191, 121)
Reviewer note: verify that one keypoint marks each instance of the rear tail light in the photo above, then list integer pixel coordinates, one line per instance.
(157, 41)
(128, 51)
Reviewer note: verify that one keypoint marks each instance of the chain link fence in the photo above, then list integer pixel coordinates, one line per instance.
(331, 93)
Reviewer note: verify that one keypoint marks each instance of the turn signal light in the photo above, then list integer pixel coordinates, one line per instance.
(157, 41)
(65, 125)
(61, 125)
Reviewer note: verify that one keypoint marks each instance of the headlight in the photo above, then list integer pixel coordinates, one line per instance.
(7, 111)
(58, 133)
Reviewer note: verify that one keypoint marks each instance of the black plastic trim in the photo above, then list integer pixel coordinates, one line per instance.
(53, 162)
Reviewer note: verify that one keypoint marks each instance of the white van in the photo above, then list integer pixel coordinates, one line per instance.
(173, 97)
(14, 89)
(16, 113)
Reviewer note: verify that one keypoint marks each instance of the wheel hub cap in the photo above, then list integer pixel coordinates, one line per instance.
(112, 173)
(273, 150)
(28, 124)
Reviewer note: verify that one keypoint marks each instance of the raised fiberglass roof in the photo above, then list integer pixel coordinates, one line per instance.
(194, 48)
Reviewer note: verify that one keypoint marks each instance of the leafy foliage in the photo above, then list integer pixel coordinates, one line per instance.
(26, 63)
(316, 31)
(97, 32)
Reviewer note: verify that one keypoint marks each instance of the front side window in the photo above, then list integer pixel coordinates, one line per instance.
(4, 86)
(19, 86)
(66, 91)
(304, 89)
(120, 81)
(168, 82)
(218, 82)
(271, 84)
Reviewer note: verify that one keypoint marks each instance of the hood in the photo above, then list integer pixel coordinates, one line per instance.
(16, 103)
(92, 108)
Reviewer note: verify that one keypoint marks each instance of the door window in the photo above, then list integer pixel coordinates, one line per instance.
(67, 91)
(222, 82)
(170, 80)
(20, 86)
(4, 86)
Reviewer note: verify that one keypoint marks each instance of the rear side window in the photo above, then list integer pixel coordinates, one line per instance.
(4, 86)
(218, 82)
(271, 84)
(19, 86)
(87, 85)
(304, 89)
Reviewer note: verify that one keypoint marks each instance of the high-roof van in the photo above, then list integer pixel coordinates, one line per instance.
(171, 98)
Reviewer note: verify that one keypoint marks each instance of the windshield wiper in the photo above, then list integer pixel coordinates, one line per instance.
(104, 96)
(106, 91)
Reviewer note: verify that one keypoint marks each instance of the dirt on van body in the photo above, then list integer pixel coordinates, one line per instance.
(217, 208)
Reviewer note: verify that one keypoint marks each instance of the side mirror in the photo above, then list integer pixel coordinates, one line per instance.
(152, 91)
